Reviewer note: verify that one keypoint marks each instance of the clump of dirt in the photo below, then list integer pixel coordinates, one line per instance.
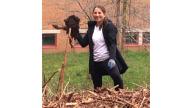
(71, 27)
(103, 98)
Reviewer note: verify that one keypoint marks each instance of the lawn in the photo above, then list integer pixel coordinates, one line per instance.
(76, 71)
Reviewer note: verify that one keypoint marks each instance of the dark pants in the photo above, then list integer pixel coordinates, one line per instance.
(101, 68)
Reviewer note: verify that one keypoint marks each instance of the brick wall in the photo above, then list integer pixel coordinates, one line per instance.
(54, 11)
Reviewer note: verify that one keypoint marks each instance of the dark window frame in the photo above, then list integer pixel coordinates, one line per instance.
(49, 44)
(131, 38)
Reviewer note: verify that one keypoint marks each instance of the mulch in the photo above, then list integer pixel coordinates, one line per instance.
(102, 98)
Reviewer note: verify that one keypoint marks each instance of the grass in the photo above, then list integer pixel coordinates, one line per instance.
(76, 71)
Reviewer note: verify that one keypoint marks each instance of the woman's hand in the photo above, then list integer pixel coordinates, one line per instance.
(58, 26)
(75, 32)
(111, 63)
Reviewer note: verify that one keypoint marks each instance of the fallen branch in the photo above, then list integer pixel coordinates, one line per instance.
(137, 85)
(44, 90)
(92, 93)
(66, 85)
(110, 100)
(142, 102)
(90, 100)
(111, 91)
(49, 79)
(71, 104)
(124, 100)
(114, 87)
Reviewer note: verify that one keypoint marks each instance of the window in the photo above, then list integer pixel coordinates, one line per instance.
(131, 38)
(49, 39)
(146, 37)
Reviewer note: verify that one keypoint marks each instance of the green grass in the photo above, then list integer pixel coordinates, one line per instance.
(76, 71)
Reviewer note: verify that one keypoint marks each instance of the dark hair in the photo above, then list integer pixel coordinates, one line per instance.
(100, 7)
(104, 11)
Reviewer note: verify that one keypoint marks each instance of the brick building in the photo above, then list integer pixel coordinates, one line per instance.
(55, 11)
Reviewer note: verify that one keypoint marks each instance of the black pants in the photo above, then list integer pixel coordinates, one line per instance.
(101, 68)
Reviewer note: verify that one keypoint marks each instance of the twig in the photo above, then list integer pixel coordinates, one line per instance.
(137, 85)
(114, 101)
(51, 104)
(92, 93)
(90, 100)
(49, 79)
(44, 90)
(50, 91)
(114, 87)
(83, 9)
(124, 100)
(61, 78)
(71, 104)
(44, 79)
(111, 91)
(66, 85)
(142, 102)
(64, 90)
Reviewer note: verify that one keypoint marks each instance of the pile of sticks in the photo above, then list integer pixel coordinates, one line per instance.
(103, 98)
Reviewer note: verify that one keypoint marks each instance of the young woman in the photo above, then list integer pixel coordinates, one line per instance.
(104, 57)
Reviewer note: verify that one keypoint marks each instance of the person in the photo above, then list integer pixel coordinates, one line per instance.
(104, 56)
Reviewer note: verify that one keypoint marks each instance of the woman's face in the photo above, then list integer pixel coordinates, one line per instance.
(98, 15)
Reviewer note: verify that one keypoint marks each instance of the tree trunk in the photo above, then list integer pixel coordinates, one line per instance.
(124, 21)
(118, 22)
